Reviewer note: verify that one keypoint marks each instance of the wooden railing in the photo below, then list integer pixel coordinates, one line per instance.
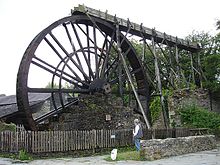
(63, 141)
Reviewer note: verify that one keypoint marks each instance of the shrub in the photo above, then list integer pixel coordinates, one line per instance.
(23, 155)
(197, 117)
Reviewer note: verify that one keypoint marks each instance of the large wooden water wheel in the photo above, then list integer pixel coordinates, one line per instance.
(76, 55)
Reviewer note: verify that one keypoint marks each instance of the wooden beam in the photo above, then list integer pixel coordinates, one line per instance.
(137, 29)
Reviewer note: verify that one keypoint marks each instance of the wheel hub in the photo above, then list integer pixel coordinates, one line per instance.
(100, 85)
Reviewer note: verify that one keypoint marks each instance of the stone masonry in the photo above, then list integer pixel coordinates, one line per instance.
(95, 112)
(160, 148)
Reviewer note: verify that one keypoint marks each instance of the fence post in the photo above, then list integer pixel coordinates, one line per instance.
(93, 140)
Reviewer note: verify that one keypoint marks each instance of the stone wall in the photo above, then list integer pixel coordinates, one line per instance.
(199, 97)
(95, 112)
(160, 148)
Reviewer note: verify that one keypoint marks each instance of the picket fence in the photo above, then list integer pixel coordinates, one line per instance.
(63, 141)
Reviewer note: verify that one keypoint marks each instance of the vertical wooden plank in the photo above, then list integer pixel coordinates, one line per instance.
(39, 141)
(54, 141)
(80, 140)
(42, 141)
(35, 144)
(33, 141)
(51, 141)
(70, 140)
(75, 140)
(45, 142)
(87, 139)
(84, 139)
(59, 141)
(66, 141)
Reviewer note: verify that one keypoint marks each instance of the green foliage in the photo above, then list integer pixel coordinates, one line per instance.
(212, 72)
(209, 58)
(7, 127)
(155, 105)
(23, 155)
(126, 155)
(50, 85)
(194, 116)
(218, 25)
(155, 108)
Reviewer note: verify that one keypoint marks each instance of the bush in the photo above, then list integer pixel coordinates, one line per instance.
(7, 127)
(197, 117)
(23, 155)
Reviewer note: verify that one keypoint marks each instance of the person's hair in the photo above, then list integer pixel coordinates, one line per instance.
(136, 121)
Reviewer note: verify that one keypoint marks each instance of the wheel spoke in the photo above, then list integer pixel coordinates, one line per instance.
(107, 55)
(81, 47)
(55, 90)
(61, 58)
(73, 47)
(69, 56)
(53, 70)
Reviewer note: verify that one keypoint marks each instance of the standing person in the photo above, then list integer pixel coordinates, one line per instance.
(137, 134)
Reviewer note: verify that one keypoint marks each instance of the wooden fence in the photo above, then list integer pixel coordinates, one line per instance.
(63, 141)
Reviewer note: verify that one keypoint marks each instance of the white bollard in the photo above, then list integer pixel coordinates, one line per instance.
(114, 154)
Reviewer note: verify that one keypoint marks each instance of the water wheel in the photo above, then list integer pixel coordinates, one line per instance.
(75, 55)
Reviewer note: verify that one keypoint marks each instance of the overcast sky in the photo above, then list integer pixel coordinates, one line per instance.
(22, 20)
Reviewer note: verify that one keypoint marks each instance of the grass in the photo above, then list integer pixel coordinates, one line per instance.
(126, 155)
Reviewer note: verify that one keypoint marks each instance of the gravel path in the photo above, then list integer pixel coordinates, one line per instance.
(211, 157)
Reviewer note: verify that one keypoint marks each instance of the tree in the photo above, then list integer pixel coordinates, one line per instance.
(218, 25)
(209, 58)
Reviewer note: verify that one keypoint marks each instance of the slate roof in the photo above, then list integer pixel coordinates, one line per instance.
(8, 104)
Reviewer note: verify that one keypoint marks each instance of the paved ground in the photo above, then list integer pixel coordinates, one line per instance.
(211, 157)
